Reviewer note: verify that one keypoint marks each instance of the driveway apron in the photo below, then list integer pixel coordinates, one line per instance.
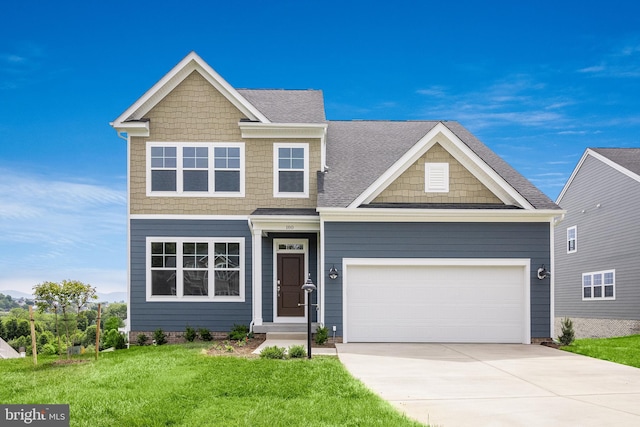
(497, 384)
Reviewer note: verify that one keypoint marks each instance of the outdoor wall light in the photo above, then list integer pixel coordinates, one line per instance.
(543, 272)
(333, 273)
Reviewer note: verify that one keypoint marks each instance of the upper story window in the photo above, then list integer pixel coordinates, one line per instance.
(572, 239)
(195, 169)
(599, 285)
(436, 177)
(291, 170)
(190, 269)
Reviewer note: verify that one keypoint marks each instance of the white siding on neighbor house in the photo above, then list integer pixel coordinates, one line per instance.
(604, 204)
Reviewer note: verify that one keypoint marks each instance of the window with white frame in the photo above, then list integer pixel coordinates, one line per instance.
(195, 169)
(599, 285)
(291, 170)
(180, 269)
(572, 239)
(436, 177)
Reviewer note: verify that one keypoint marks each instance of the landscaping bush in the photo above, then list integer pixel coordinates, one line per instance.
(205, 335)
(239, 332)
(297, 352)
(142, 339)
(113, 338)
(159, 337)
(190, 334)
(568, 334)
(322, 335)
(273, 352)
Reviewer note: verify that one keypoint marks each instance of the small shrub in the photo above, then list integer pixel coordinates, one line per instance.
(205, 335)
(568, 335)
(273, 352)
(297, 352)
(48, 349)
(322, 335)
(113, 338)
(190, 334)
(142, 339)
(159, 337)
(239, 332)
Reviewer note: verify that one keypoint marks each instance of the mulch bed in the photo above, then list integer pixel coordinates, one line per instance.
(246, 348)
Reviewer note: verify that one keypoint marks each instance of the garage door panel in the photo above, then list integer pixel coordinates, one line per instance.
(426, 303)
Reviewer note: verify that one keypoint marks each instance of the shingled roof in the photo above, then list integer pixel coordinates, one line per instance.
(628, 158)
(359, 152)
(287, 106)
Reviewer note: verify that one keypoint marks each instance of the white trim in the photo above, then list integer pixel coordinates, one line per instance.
(256, 275)
(191, 62)
(282, 130)
(589, 152)
(601, 298)
(437, 215)
(211, 297)
(129, 233)
(276, 170)
(211, 146)
(552, 282)
(276, 251)
(461, 152)
(525, 263)
(321, 274)
(575, 240)
(187, 216)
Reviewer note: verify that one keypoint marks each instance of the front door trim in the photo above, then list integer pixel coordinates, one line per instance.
(290, 246)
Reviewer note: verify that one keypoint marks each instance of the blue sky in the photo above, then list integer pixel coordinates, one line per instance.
(538, 82)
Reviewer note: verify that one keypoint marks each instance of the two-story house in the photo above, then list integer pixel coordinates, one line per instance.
(411, 231)
(597, 246)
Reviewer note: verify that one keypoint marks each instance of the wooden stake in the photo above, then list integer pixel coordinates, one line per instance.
(34, 349)
(98, 333)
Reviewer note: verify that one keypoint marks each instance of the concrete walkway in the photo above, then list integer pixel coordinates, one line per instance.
(457, 385)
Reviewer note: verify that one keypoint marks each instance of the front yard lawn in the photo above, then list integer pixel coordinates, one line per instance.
(178, 385)
(624, 350)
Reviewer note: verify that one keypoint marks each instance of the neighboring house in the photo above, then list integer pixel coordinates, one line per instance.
(597, 245)
(236, 197)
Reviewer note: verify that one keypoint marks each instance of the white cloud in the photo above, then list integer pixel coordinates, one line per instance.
(52, 226)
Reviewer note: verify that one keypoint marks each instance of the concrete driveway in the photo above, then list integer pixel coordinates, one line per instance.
(456, 385)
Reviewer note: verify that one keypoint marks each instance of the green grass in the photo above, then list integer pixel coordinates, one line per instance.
(177, 385)
(624, 350)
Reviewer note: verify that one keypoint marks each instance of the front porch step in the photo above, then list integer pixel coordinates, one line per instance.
(287, 336)
(283, 327)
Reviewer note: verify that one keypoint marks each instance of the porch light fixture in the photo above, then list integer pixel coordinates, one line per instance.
(333, 273)
(308, 288)
(543, 272)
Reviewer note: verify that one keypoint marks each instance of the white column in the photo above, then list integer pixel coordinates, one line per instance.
(256, 279)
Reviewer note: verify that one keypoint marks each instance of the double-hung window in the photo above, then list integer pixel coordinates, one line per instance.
(195, 269)
(572, 239)
(195, 169)
(291, 170)
(599, 285)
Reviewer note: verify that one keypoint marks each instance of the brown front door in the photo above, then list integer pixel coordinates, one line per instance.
(289, 286)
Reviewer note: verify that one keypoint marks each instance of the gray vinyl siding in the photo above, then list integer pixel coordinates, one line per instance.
(608, 239)
(439, 240)
(175, 316)
(268, 273)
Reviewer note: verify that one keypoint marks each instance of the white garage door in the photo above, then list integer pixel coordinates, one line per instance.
(478, 301)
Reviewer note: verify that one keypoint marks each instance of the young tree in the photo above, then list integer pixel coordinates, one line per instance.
(66, 295)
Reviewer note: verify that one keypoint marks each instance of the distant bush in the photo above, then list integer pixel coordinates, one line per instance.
(113, 338)
(159, 337)
(273, 352)
(297, 352)
(322, 335)
(568, 335)
(239, 332)
(190, 334)
(205, 335)
(142, 339)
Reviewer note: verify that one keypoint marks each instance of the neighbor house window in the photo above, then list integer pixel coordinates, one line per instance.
(599, 285)
(180, 269)
(195, 169)
(436, 177)
(572, 239)
(291, 170)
